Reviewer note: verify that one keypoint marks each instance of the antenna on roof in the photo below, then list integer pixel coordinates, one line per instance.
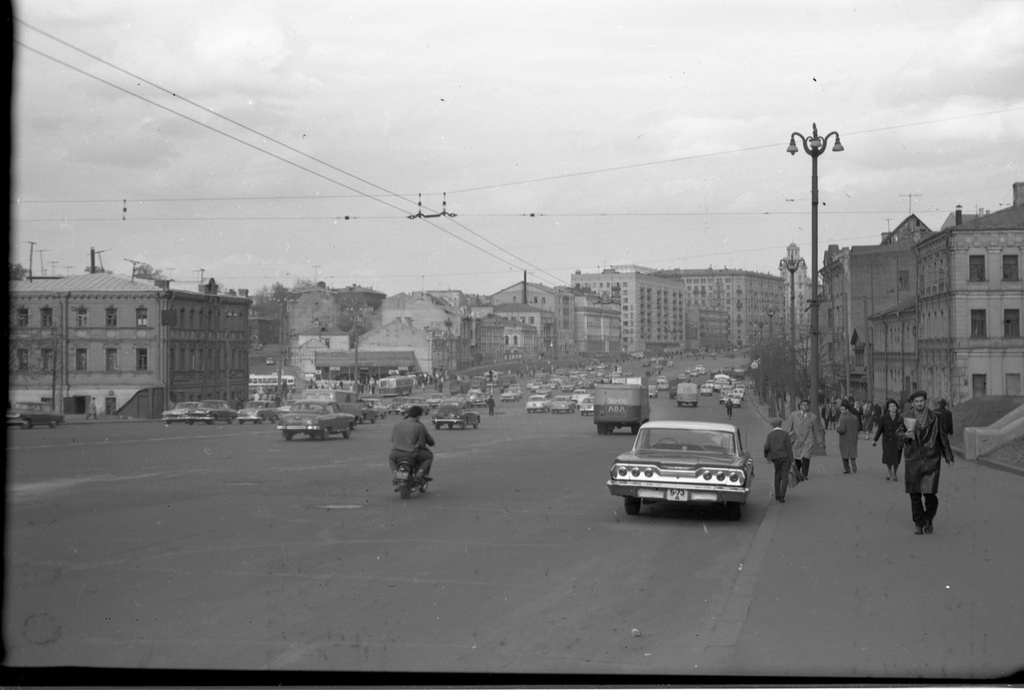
(134, 263)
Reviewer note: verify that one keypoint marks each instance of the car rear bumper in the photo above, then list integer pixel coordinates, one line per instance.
(689, 493)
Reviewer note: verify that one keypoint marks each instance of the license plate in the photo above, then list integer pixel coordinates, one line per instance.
(703, 496)
(677, 495)
(401, 475)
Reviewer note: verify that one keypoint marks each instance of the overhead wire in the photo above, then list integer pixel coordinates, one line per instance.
(258, 148)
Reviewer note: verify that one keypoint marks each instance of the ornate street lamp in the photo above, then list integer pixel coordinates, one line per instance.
(771, 325)
(814, 147)
(792, 264)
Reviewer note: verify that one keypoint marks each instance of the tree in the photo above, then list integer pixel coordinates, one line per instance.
(16, 271)
(144, 270)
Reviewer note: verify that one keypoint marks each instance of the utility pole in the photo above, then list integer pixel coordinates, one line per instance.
(31, 254)
(910, 202)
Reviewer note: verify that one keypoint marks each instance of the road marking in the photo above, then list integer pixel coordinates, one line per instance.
(339, 506)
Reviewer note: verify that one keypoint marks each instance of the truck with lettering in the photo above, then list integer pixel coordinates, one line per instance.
(623, 403)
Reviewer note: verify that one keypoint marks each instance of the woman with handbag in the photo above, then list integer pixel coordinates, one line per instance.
(892, 442)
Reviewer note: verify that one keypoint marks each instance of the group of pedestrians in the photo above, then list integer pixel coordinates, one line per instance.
(918, 435)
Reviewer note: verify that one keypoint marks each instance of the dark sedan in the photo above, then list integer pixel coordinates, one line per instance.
(211, 411)
(456, 414)
(317, 419)
(30, 414)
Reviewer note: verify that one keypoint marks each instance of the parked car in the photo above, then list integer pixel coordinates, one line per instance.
(587, 406)
(317, 419)
(211, 411)
(257, 412)
(684, 461)
(562, 404)
(538, 403)
(179, 413)
(372, 410)
(456, 414)
(30, 414)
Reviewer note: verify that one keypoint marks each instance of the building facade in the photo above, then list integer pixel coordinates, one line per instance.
(135, 346)
(652, 308)
(598, 325)
(969, 302)
(556, 334)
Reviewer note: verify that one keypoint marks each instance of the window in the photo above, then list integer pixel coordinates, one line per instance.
(976, 272)
(82, 317)
(141, 359)
(1011, 268)
(47, 359)
(903, 280)
(46, 317)
(81, 359)
(1011, 323)
(111, 317)
(111, 359)
(141, 317)
(978, 323)
(22, 316)
(22, 359)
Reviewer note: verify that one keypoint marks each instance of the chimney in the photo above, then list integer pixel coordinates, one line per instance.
(959, 214)
(1018, 194)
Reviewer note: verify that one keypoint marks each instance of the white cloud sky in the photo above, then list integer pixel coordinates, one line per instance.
(637, 132)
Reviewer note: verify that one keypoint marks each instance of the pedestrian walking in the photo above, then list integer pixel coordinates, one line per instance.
(490, 405)
(848, 429)
(728, 407)
(945, 416)
(925, 446)
(892, 442)
(778, 450)
(805, 430)
(867, 419)
(92, 410)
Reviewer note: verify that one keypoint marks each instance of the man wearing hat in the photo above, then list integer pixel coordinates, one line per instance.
(778, 449)
(410, 441)
(925, 446)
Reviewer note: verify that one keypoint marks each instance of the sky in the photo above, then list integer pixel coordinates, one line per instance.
(266, 141)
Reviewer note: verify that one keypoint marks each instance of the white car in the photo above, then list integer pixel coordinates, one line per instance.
(707, 389)
(579, 394)
(511, 395)
(538, 403)
(587, 406)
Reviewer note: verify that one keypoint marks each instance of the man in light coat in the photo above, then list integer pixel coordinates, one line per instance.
(805, 431)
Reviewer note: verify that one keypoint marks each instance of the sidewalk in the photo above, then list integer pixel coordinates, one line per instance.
(840, 586)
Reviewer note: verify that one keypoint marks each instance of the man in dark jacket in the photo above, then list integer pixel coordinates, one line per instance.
(410, 440)
(925, 445)
(945, 415)
(778, 449)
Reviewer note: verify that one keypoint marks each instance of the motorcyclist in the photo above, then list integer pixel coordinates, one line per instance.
(410, 441)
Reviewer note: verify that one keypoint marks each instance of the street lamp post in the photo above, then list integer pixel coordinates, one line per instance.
(792, 264)
(771, 325)
(814, 147)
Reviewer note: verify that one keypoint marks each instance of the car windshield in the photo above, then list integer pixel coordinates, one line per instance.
(309, 406)
(28, 407)
(707, 440)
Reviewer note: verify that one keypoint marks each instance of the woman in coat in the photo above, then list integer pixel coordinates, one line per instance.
(848, 429)
(892, 441)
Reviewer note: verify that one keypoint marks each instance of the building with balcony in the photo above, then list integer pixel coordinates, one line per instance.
(136, 346)
(652, 308)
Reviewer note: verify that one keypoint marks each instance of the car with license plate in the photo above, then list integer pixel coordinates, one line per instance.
(257, 412)
(662, 383)
(210, 411)
(27, 414)
(538, 403)
(698, 463)
(178, 413)
(587, 406)
(317, 419)
(562, 404)
(456, 414)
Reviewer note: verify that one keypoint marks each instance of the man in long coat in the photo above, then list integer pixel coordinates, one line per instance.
(805, 430)
(925, 447)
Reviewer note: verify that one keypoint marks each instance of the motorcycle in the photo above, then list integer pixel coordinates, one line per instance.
(408, 479)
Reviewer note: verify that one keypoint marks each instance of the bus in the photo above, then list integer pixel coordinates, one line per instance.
(270, 381)
(393, 386)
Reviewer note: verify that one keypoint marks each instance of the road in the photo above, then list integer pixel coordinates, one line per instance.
(137, 545)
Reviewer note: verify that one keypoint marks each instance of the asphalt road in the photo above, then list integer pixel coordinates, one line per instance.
(137, 545)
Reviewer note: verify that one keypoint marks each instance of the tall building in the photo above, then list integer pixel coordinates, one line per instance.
(753, 302)
(652, 308)
(134, 345)
(556, 333)
(797, 293)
